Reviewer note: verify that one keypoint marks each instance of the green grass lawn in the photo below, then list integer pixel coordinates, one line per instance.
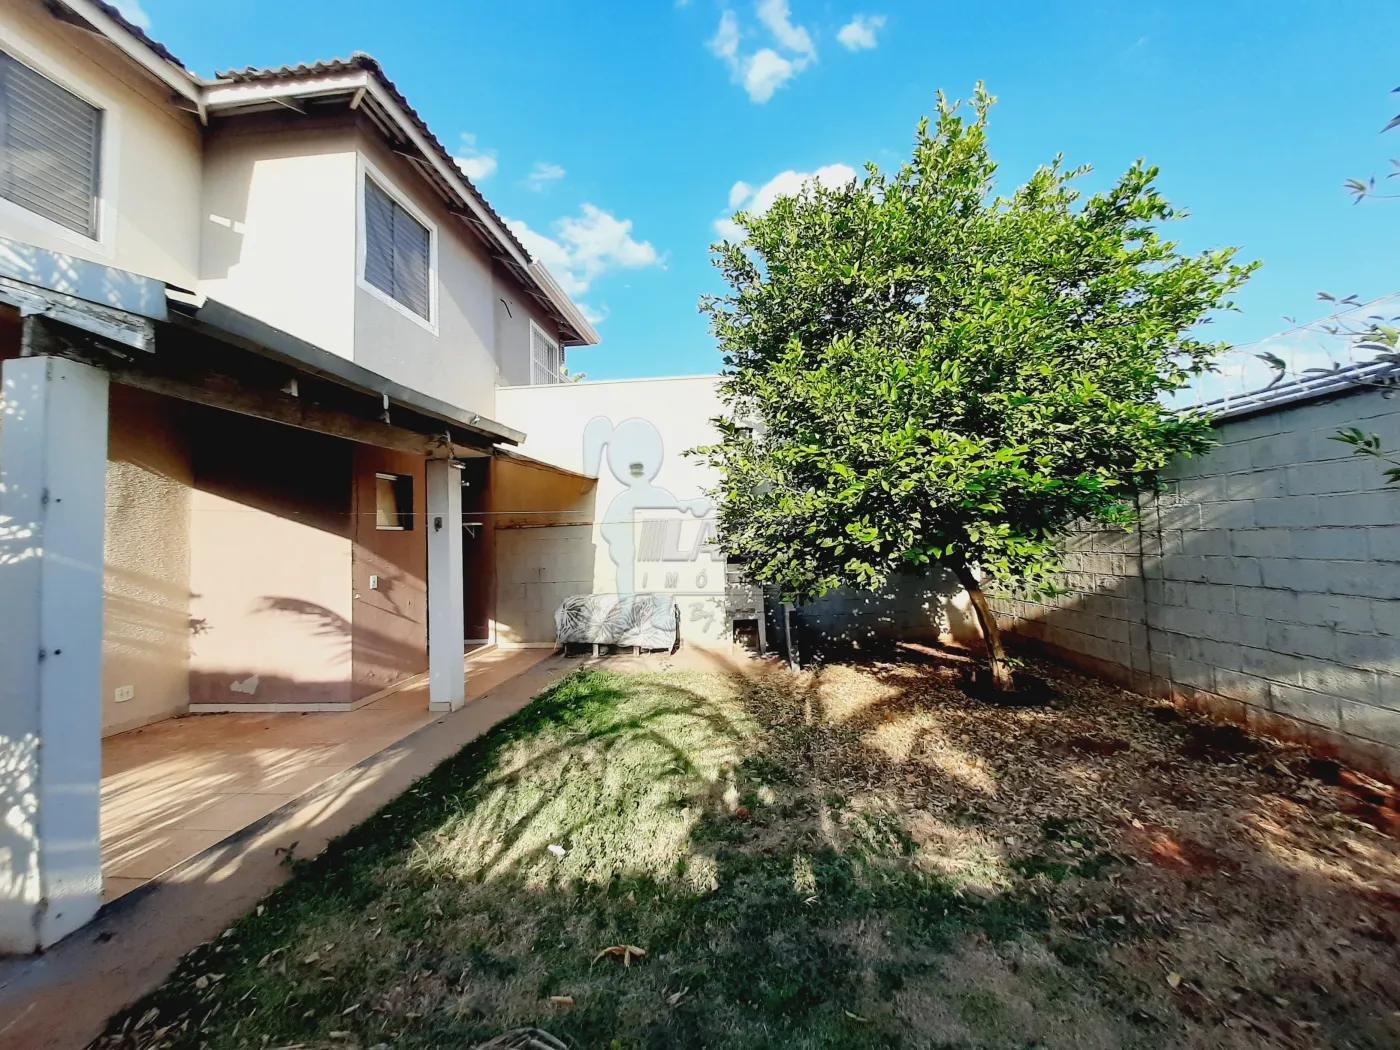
(793, 880)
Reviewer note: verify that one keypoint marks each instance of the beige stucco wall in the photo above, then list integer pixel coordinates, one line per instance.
(283, 229)
(390, 621)
(515, 309)
(278, 225)
(270, 566)
(146, 582)
(482, 318)
(151, 153)
(678, 411)
(271, 607)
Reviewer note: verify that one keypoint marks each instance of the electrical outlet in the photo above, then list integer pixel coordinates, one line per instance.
(125, 693)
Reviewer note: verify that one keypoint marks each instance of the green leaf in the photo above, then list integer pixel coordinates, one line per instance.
(943, 373)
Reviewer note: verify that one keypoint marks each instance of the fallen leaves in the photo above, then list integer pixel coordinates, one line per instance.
(625, 952)
(1094, 780)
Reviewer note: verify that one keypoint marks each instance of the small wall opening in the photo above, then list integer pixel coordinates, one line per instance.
(746, 634)
(393, 502)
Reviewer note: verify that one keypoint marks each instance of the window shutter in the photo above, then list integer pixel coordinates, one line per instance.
(379, 238)
(397, 251)
(50, 143)
(410, 262)
(544, 357)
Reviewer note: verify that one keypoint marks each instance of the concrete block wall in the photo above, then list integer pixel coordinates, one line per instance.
(1262, 585)
(908, 608)
(536, 569)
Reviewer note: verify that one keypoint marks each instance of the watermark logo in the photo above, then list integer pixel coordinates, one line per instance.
(630, 527)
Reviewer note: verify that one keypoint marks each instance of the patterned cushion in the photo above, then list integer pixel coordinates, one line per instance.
(648, 620)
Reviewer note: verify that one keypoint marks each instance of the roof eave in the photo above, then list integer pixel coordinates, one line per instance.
(586, 334)
(229, 95)
(108, 22)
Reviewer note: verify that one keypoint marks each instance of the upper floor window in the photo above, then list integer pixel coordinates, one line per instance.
(398, 252)
(546, 359)
(50, 148)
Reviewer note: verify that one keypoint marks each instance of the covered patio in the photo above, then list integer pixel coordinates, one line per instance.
(202, 513)
(173, 790)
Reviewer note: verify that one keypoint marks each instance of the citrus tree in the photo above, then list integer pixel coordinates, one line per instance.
(927, 372)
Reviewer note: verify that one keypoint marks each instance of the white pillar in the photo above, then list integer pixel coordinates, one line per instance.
(446, 619)
(53, 475)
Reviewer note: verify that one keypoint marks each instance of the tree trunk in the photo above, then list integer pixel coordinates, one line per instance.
(991, 634)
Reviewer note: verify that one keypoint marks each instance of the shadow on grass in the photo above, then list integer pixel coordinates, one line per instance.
(446, 918)
(805, 859)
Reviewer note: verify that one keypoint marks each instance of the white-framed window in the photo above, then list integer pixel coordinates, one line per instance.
(546, 357)
(51, 150)
(393, 502)
(397, 249)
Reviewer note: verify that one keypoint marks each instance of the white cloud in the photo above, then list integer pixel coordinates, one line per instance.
(729, 230)
(784, 184)
(476, 164)
(593, 316)
(790, 183)
(542, 174)
(133, 12)
(766, 69)
(725, 43)
(778, 18)
(586, 246)
(859, 33)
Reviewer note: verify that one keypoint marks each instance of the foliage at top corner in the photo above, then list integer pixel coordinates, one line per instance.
(919, 369)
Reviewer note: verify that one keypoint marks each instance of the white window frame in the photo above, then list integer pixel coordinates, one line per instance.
(396, 479)
(365, 169)
(558, 355)
(108, 163)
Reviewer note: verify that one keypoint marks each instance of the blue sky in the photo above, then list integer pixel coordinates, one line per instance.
(613, 134)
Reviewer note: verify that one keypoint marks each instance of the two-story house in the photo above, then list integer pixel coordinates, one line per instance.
(252, 329)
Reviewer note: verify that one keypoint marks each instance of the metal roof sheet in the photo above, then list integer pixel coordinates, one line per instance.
(1310, 388)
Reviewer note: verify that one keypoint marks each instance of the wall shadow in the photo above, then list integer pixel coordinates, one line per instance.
(1282, 630)
(913, 606)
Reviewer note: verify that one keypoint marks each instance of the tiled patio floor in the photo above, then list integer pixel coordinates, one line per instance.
(173, 789)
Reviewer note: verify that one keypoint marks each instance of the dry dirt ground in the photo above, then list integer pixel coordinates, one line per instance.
(862, 855)
(1238, 892)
